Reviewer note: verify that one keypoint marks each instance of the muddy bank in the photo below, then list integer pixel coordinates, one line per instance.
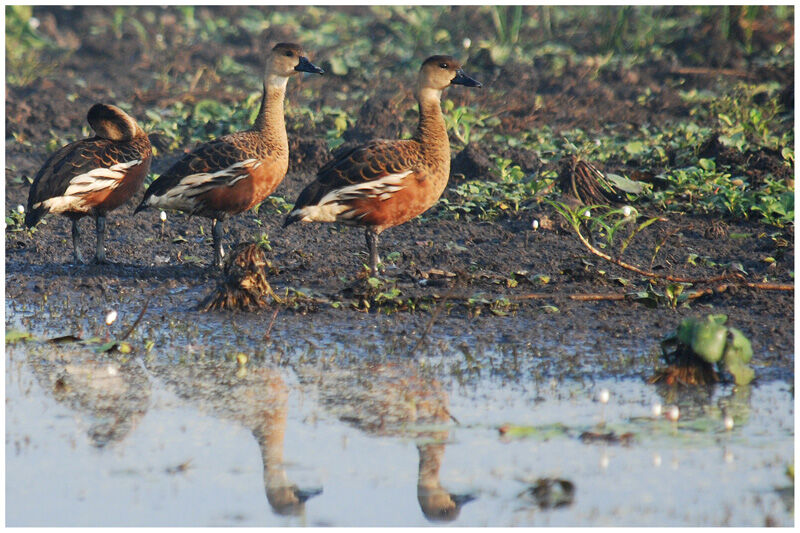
(486, 259)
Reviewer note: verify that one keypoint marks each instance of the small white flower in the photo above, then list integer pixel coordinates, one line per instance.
(111, 317)
(33, 22)
(588, 214)
(728, 421)
(535, 224)
(673, 413)
(656, 410)
(20, 209)
(627, 211)
(467, 42)
(159, 37)
(163, 216)
(604, 395)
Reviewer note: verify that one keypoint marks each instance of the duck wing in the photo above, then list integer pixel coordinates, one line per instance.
(219, 163)
(372, 170)
(77, 170)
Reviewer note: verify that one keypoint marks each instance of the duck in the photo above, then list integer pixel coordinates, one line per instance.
(385, 183)
(396, 400)
(235, 172)
(255, 399)
(92, 176)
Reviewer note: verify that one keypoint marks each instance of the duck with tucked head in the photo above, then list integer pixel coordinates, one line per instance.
(386, 183)
(92, 176)
(238, 171)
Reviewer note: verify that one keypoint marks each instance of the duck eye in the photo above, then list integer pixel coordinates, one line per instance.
(443, 65)
(288, 53)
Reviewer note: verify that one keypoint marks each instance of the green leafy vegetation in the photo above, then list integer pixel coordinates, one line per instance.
(29, 54)
(709, 340)
(508, 192)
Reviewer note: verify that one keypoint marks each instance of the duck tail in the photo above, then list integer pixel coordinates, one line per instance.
(291, 218)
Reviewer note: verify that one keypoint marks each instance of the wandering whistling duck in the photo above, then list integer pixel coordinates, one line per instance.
(92, 176)
(386, 183)
(237, 171)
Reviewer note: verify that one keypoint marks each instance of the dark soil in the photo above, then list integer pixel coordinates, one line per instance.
(326, 258)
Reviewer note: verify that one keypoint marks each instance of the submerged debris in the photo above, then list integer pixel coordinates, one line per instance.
(588, 437)
(244, 284)
(551, 493)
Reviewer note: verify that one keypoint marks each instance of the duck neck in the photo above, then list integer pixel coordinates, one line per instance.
(431, 129)
(430, 461)
(270, 119)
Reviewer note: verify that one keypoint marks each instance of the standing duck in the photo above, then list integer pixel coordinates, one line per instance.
(238, 171)
(386, 183)
(92, 176)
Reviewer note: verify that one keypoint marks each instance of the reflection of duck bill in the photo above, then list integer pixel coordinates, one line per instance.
(306, 494)
(290, 500)
(461, 499)
(440, 506)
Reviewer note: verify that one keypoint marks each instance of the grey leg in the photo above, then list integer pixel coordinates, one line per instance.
(100, 250)
(216, 232)
(76, 253)
(372, 249)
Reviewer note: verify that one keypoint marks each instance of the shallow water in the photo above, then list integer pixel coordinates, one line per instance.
(184, 434)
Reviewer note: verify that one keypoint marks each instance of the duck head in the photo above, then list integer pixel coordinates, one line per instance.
(439, 72)
(289, 59)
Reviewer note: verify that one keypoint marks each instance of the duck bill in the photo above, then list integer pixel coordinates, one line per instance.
(462, 79)
(307, 66)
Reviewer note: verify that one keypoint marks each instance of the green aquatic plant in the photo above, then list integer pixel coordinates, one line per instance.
(702, 348)
(604, 221)
(30, 55)
(511, 192)
(468, 123)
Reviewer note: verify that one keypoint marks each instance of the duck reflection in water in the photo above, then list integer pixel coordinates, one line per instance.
(113, 394)
(256, 398)
(394, 400)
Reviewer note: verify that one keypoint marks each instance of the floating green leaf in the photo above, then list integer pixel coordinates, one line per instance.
(14, 336)
(543, 432)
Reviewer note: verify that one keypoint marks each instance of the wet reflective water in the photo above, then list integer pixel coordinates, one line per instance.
(338, 433)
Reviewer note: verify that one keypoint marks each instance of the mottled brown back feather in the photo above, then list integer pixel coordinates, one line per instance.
(361, 164)
(78, 158)
(211, 157)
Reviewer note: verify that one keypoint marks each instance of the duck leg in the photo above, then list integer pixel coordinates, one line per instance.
(100, 249)
(216, 233)
(372, 249)
(76, 252)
